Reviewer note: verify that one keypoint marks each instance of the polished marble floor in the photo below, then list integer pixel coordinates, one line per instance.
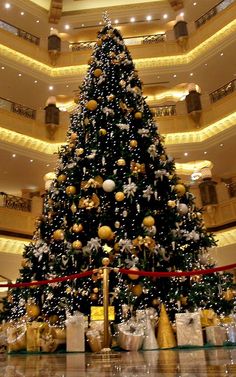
(212, 362)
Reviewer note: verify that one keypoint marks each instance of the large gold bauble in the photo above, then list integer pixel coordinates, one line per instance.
(133, 143)
(180, 189)
(148, 221)
(77, 228)
(53, 319)
(119, 196)
(79, 151)
(77, 245)
(61, 178)
(58, 235)
(121, 162)
(70, 190)
(102, 132)
(137, 290)
(32, 310)
(156, 302)
(116, 246)
(132, 276)
(97, 72)
(138, 115)
(105, 232)
(91, 105)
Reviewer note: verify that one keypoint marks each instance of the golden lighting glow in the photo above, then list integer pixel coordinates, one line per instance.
(175, 60)
(189, 167)
(227, 237)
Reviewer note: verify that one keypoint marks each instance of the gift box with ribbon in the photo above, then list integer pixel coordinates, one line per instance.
(131, 335)
(75, 333)
(215, 335)
(16, 337)
(189, 329)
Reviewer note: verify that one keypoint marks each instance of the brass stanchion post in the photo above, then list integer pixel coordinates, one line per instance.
(105, 263)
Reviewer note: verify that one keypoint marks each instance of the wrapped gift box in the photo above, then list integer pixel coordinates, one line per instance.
(95, 336)
(75, 333)
(16, 337)
(189, 329)
(33, 336)
(216, 335)
(131, 335)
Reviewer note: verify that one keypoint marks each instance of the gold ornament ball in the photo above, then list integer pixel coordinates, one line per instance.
(228, 295)
(171, 203)
(119, 196)
(79, 151)
(95, 290)
(163, 157)
(77, 245)
(132, 276)
(93, 296)
(97, 72)
(105, 232)
(58, 235)
(138, 115)
(121, 162)
(53, 319)
(102, 132)
(137, 290)
(61, 178)
(156, 302)
(180, 189)
(116, 247)
(105, 261)
(70, 190)
(73, 136)
(77, 228)
(148, 221)
(92, 105)
(32, 310)
(133, 143)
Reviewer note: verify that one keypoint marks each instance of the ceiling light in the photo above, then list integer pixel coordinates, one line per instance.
(116, 21)
(19, 74)
(67, 27)
(206, 64)
(182, 14)
(185, 153)
(165, 16)
(35, 81)
(148, 18)
(205, 152)
(50, 87)
(22, 13)
(82, 25)
(174, 75)
(132, 19)
(37, 21)
(221, 145)
(31, 160)
(67, 86)
(7, 5)
(100, 22)
(195, 3)
(14, 155)
(47, 165)
(191, 74)
(2, 67)
(221, 54)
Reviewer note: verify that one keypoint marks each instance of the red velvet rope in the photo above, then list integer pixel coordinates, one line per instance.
(122, 271)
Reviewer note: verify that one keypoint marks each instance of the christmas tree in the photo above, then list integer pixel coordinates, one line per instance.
(116, 195)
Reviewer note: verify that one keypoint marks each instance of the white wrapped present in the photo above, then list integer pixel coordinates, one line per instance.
(189, 329)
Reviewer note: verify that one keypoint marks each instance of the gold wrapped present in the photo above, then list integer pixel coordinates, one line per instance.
(33, 336)
(216, 335)
(130, 335)
(208, 318)
(97, 313)
(48, 342)
(16, 337)
(189, 329)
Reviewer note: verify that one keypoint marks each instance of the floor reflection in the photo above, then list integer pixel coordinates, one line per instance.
(212, 362)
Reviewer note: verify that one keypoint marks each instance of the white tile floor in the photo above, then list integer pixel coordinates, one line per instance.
(212, 362)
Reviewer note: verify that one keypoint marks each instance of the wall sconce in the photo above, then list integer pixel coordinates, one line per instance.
(193, 103)
(54, 46)
(52, 114)
(181, 33)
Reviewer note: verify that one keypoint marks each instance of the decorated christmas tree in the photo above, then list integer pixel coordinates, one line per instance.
(116, 195)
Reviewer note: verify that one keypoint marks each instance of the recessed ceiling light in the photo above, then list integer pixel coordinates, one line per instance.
(132, 19)
(100, 22)
(182, 14)
(22, 13)
(35, 81)
(31, 160)
(116, 21)
(158, 77)
(148, 18)
(82, 25)
(50, 87)
(221, 54)
(47, 165)
(206, 64)
(37, 21)
(165, 16)
(191, 74)
(2, 67)
(221, 145)
(205, 152)
(185, 153)
(14, 155)
(19, 74)
(7, 5)
(67, 27)
(67, 86)
(174, 75)
(195, 3)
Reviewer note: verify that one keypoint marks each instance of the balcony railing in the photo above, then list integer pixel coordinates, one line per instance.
(224, 91)
(17, 108)
(15, 202)
(19, 32)
(212, 12)
(162, 111)
(139, 40)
